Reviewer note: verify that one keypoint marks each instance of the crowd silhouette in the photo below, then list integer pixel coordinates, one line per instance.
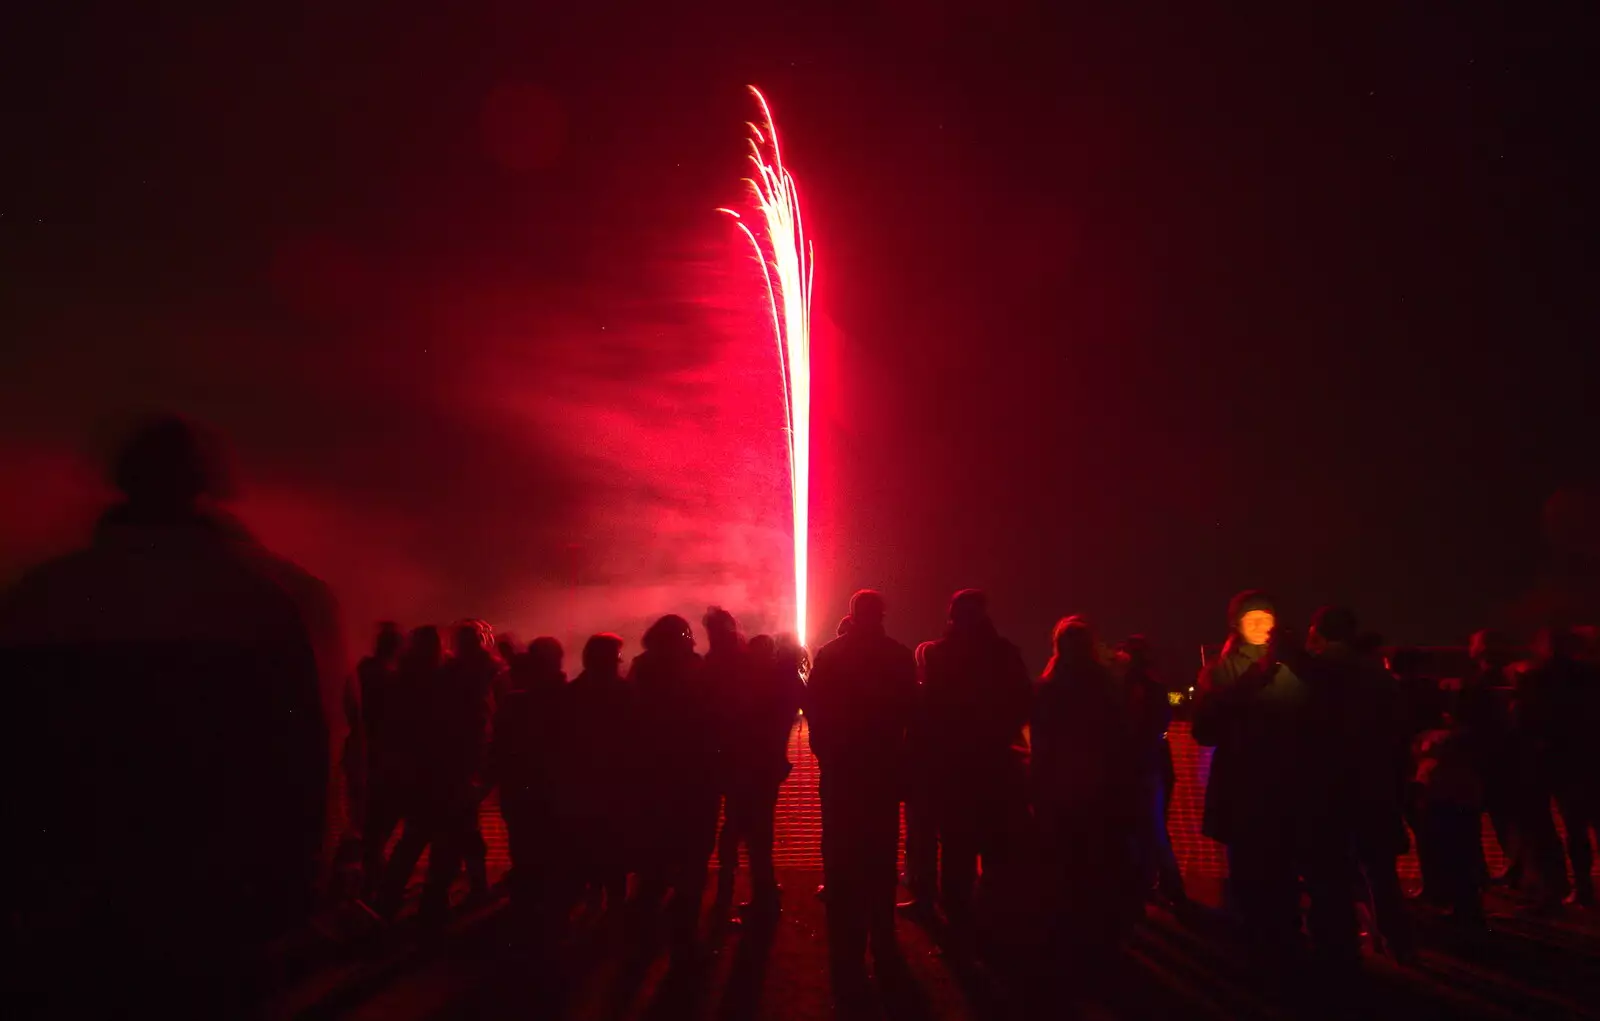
(190, 763)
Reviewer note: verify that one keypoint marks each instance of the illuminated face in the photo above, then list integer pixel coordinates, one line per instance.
(1256, 626)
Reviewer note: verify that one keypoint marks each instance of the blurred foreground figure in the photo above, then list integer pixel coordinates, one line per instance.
(859, 700)
(175, 712)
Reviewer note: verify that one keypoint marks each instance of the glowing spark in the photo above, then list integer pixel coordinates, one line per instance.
(785, 257)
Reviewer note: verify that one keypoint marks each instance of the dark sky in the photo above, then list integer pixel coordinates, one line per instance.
(1116, 312)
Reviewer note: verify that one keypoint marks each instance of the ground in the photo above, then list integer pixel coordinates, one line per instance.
(1528, 966)
(482, 968)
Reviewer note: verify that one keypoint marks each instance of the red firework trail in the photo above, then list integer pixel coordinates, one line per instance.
(785, 255)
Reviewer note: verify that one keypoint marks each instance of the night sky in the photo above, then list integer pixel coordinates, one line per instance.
(1116, 313)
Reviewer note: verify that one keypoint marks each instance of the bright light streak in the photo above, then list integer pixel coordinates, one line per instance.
(785, 256)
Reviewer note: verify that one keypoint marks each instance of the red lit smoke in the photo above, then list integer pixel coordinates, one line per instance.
(555, 459)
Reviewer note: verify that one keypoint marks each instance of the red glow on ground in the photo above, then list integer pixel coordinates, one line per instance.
(785, 257)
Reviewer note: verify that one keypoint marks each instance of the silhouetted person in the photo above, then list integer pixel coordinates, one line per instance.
(1539, 868)
(382, 704)
(840, 631)
(506, 647)
(1421, 710)
(678, 792)
(1483, 708)
(1359, 756)
(409, 710)
(1559, 709)
(1085, 783)
(455, 712)
(1250, 706)
(726, 674)
(975, 699)
(597, 764)
(1151, 714)
(1449, 813)
(175, 705)
(859, 700)
(529, 739)
(349, 876)
(755, 751)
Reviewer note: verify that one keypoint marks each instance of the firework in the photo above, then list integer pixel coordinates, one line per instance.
(780, 244)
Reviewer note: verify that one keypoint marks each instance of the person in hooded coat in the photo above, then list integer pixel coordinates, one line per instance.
(173, 745)
(1250, 706)
(1085, 779)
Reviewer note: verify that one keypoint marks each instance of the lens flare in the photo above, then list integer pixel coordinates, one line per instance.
(781, 247)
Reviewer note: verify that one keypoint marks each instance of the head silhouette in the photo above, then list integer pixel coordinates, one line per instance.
(473, 638)
(1333, 625)
(763, 650)
(867, 610)
(425, 646)
(389, 641)
(969, 610)
(1073, 645)
(171, 462)
(791, 654)
(722, 631)
(547, 654)
(1135, 651)
(602, 654)
(670, 634)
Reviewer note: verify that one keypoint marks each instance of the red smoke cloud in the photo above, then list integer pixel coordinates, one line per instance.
(555, 460)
